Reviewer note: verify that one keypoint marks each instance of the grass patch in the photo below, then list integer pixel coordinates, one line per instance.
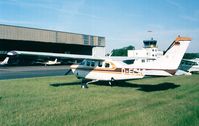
(60, 101)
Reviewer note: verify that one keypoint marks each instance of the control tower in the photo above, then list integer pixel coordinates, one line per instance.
(150, 43)
(149, 50)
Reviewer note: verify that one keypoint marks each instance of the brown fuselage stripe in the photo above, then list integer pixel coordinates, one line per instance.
(119, 70)
(114, 72)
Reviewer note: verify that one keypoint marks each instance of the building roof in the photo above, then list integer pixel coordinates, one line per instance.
(10, 32)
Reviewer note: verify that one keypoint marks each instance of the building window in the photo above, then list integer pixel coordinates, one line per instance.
(101, 41)
(86, 39)
(91, 40)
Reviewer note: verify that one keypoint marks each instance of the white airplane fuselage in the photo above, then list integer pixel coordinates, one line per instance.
(105, 71)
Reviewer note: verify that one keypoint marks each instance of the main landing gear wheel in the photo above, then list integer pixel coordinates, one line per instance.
(112, 80)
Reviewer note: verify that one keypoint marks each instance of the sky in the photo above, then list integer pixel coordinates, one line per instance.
(121, 22)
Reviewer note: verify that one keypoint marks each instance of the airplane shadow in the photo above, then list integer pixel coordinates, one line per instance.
(144, 87)
(140, 87)
(64, 84)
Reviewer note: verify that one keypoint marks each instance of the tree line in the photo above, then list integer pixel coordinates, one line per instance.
(122, 51)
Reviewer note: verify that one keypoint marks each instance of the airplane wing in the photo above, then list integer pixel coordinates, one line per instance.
(189, 61)
(71, 56)
(128, 58)
(186, 59)
(56, 55)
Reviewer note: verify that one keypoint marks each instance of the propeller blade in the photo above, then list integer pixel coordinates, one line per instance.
(68, 72)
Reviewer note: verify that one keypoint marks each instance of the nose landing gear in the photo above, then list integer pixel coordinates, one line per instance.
(84, 83)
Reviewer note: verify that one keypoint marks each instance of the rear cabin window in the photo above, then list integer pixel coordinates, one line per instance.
(107, 65)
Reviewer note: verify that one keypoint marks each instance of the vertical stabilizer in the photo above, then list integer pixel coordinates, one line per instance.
(174, 54)
(5, 61)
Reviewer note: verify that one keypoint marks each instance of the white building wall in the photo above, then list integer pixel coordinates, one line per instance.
(98, 52)
(145, 52)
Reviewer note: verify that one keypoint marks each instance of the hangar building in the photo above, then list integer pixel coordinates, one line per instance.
(42, 40)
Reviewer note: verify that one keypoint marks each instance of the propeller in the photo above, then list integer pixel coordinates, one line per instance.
(68, 72)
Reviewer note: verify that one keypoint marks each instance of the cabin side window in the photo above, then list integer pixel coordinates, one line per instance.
(88, 63)
(92, 63)
(99, 64)
(143, 60)
(107, 65)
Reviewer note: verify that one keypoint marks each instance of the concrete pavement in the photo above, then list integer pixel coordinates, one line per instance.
(10, 72)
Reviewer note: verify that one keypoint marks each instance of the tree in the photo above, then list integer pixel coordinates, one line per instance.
(122, 51)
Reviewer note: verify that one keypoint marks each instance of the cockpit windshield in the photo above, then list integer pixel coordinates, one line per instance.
(83, 62)
(88, 63)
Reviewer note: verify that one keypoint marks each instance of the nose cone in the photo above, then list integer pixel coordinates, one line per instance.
(73, 68)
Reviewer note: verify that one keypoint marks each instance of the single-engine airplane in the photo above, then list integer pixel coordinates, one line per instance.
(5, 61)
(111, 69)
(46, 63)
